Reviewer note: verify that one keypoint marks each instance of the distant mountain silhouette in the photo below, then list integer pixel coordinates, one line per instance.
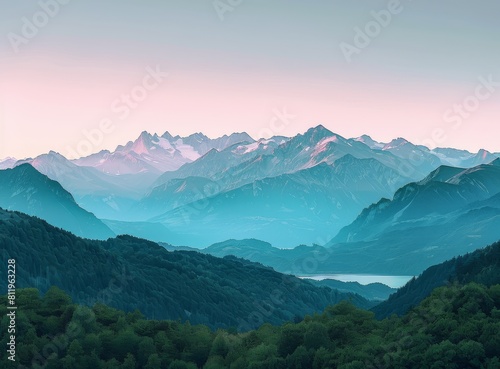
(25, 189)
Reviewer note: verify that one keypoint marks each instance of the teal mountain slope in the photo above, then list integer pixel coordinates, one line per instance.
(25, 189)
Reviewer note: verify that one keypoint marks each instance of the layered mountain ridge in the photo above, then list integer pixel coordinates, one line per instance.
(197, 191)
(131, 273)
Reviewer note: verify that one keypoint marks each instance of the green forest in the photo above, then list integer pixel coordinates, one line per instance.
(129, 273)
(481, 266)
(129, 303)
(456, 327)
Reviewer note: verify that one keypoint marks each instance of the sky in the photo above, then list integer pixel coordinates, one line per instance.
(80, 76)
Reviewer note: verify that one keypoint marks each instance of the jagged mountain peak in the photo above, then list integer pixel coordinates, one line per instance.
(50, 160)
(370, 142)
(364, 138)
(53, 154)
(145, 134)
(240, 134)
(484, 154)
(26, 168)
(395, 143)
(198, 136)
(447, 150)
(210, 153)
(318, 137)
(347, 158)
(167, 135)
(319, 130)
(7, 158)
(143, 144)
(8, 162)
(442, 174)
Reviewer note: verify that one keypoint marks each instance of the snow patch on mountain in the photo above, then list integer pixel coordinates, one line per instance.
(322, 145)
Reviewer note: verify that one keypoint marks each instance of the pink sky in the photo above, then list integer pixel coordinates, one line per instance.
(48, 106)
(230, 76)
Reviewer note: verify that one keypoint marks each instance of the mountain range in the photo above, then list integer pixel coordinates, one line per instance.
(308, 189)
(288, 209)
(103, 194)
(450, 212)
(158, 154)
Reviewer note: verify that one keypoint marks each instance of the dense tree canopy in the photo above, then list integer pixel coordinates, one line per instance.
(456, 327)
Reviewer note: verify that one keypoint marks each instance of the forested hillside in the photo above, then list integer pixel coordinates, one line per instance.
(130, 273)
(481, 266)
(456, 327)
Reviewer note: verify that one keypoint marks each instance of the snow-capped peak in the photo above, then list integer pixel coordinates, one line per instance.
(394, 144)
(370, 142)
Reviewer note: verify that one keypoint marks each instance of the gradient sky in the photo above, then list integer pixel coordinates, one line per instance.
(231, 75)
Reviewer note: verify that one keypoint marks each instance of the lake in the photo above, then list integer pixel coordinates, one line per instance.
(394, 281)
